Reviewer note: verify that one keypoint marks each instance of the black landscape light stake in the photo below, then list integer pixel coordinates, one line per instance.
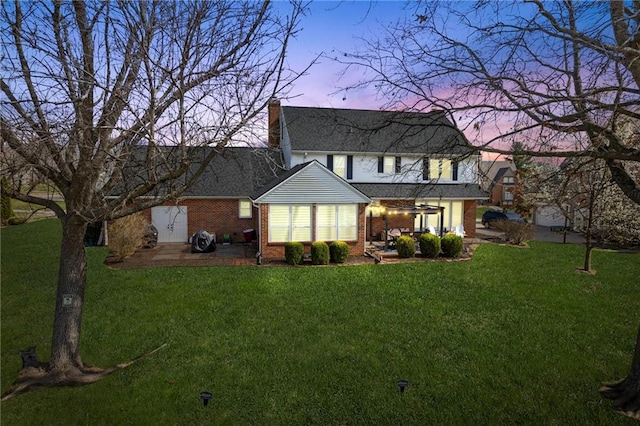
(205, 397)
(402, 384)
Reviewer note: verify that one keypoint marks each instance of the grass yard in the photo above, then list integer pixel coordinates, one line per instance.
(514, 336)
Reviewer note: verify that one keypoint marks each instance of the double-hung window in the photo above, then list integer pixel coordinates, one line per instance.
(389, 165)
(337, 222)
(439, 168)
(289, 223)
(341, 165)
(244, 209)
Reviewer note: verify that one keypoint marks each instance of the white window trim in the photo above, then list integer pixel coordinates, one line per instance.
(342, 169)
(240, 215)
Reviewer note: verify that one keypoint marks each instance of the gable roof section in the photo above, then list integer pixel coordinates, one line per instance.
(505, 171)
(352, 130)
(309, 183)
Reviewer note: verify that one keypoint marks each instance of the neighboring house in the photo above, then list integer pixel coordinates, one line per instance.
(332, 174)
(499, 178)
(503, 187)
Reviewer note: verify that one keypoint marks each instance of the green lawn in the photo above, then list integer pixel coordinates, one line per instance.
(513, 336)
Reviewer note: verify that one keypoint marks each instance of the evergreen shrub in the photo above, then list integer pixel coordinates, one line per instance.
(319, 253)
(338, 251)
(294, 252)
(451, 245)
(429, 245)
(406, 246)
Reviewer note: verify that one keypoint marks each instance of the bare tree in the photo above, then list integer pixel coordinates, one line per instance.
(91, 85)
(557, 76)
(539, 73)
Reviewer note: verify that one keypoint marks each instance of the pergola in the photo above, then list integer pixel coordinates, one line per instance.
(421, 209)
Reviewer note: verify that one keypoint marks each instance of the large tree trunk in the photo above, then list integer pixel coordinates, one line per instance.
(626, 393)
(65, 345)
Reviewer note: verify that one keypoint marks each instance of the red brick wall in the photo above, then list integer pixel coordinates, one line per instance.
(470, 207)
(276, 250)
(220, 216)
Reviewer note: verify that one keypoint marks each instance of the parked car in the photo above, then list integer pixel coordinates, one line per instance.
(493, 215)
(515, 217)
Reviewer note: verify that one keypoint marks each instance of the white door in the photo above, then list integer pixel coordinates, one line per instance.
(171, 222)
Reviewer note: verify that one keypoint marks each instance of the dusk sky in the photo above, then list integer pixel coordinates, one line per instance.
(331, 27)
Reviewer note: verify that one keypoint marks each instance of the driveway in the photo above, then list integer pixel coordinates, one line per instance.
(541, 233)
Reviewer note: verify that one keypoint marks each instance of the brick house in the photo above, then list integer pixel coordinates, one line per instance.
(332, 174)
(503, 187)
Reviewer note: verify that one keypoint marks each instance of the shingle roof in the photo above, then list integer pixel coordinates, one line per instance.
(412, 191)
(234, 173)
(277, 180)
(237, 172)
(504, 171)
(352, 130)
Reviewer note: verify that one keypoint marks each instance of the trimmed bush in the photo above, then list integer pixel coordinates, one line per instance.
(451, 245)
(294, 252)
(429, 245)
(406, 246)
(319, 253)
(338, 251)
(125, 235)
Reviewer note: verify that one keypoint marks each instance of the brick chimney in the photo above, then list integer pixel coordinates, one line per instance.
(274, 123)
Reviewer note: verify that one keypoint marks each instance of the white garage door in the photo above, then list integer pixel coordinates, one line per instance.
(171, 222)
(549, 216)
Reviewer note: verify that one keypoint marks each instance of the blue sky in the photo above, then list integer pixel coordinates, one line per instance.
(333, 27)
